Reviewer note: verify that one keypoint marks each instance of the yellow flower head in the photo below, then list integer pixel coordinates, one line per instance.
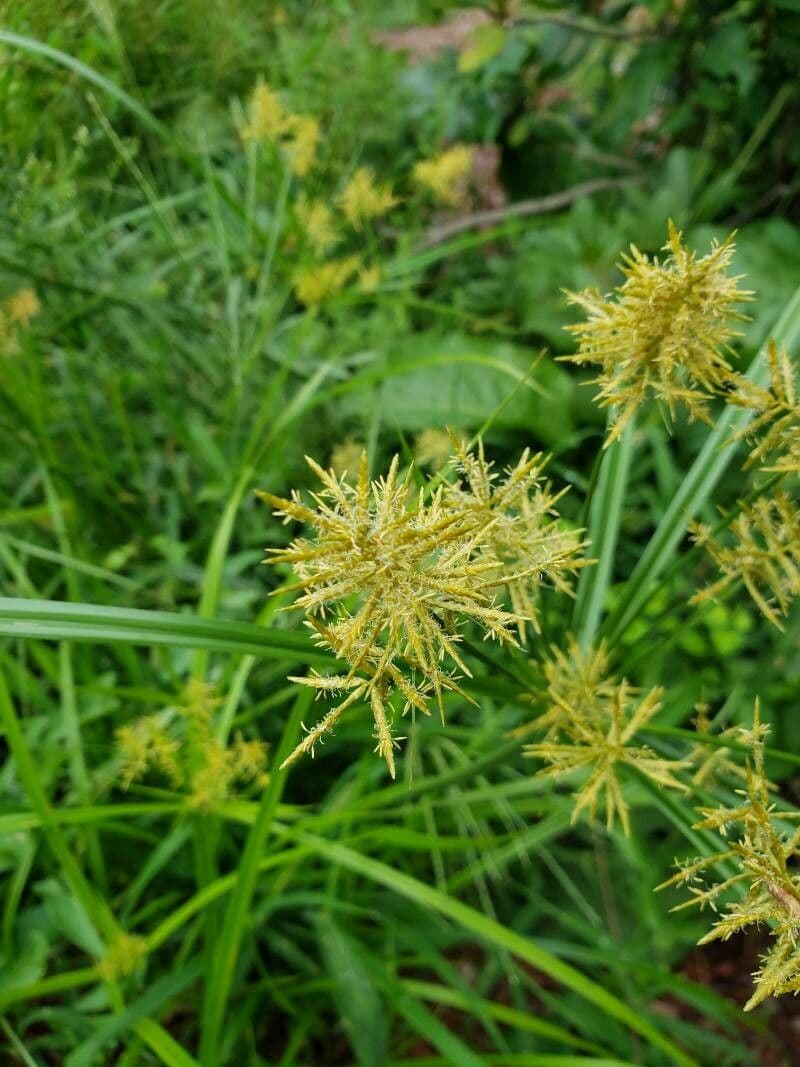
(222, 767)
(363, 199)
(665, 331)
(302, 141)
(599, 744)
(369, 278)
(445, 175)
(314, 285)
(764, 555)
(146, 744)
(122, 956)
(195, 757)
(23, 306)
(397, 576)
(266, 119)
(433, 448)
(579, 686)
(775, 426)
(316, 220)
(524, 535)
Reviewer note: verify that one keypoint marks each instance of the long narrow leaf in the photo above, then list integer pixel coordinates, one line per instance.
(94, 623)
(497, 934)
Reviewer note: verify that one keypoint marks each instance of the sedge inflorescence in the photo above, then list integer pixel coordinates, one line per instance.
(760, 546)
(526, 540)
(758, 882)
(16, 313)
(364, 199)
(590, 726)
(664, 333)
(762, 550)
(349, 214)
(389, 578)
(122, 956)
(774, 430)
(181, 744)
(297, 136)
(445, 175)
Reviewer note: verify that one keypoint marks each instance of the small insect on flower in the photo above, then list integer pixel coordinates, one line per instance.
(664, 333)
(363, 199)
(524, 535)
(397, 575)
(764, 887)
(590, 727)
(445, 175)
(765, 555)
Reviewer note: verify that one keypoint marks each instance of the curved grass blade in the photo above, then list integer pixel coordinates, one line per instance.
(94, 623)
(605, 512)
(497, 934)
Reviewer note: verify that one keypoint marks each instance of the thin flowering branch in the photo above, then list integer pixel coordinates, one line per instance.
(774, 430)
(765, 555)
(589, 729)
(763, 888)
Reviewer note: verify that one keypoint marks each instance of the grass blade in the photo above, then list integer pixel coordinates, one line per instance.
(497, 934)
(236, 914)
(94, 623)
(604, 519)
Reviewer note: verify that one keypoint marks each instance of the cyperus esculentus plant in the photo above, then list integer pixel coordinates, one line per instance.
(774, 430)
(765, 555)
(180, 743)
(758, 863)
(664, 333)
(590, 728)
(390, 578)
(523, 531)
